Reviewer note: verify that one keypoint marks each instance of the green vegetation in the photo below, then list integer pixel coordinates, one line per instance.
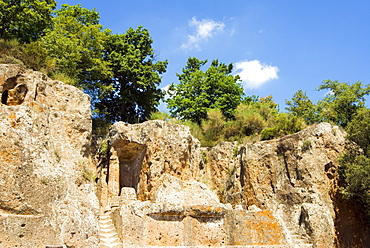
(342, 102)
(306, 145)
(355, 163)
(118, 71)
(75, 44)
(133, 94)
(302, 106)
(25, 20)
(254, 119)
(199, 91)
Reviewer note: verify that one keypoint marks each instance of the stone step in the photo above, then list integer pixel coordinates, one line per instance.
(117, 245)
(108, 235)
(106, 226)
(110, 241)
(106, 223)
(105, 218)
(102, 216)
(107, 230)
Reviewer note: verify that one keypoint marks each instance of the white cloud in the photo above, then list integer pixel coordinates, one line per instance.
(254, 74)
(166, 91)
(204, 29)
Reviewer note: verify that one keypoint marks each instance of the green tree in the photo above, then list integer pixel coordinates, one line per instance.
(25, 20)
(342, 101)
(76, 43)
(301, 106)
(355, 163)
(199, 91)
(136, 75)
(357, 181)
(359, 130)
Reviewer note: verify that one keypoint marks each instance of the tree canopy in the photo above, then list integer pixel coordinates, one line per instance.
(342, 101)
(302, 106)
(356, 164)
(199, 91)
(134, 92)
(25, 20)
(76, 43)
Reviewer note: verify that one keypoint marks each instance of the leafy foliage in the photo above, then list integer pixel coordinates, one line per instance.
(213, 128)
(163, 116)
(283, 124)
(133, 94)
(25, 20)
(76, 43)
(302, 106)
(357, 181)
(28, 55)
(255, 118)
(342, 102)
(359, 130)
(199, 91)
(356, 164)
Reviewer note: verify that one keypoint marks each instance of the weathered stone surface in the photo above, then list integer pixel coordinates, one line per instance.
(46, 197)
(282, 192)
(163, 163)
(296, 177)
(148, 151)
(189, 214)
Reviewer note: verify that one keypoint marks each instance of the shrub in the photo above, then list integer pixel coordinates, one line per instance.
(231, 130)
(100, 126)
(282, 125)
(158, 115)
(268, 133)
(213, 127)
(357, 181)
(356, 162)
(306, 145)
(253, 124)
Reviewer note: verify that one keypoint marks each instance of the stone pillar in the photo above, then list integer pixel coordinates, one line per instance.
(113, 175)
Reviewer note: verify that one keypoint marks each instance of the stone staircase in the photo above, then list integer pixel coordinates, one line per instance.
(298, 240)
(108, 235)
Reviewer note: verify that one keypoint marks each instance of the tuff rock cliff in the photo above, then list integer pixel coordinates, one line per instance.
(156, 186)
(46, 195)
(166, 190)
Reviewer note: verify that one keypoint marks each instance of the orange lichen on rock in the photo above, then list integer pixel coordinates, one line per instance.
(266, 213)
(258, 228)
(12, 118)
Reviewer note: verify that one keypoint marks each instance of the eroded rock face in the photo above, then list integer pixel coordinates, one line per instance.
(188, 213)
(296, 177)
(46, 197)
(277, 192)
(146, 152)
(163, 164)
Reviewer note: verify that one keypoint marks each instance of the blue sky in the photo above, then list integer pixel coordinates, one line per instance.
(276, 46)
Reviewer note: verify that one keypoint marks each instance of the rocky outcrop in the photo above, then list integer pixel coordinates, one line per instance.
(158, 186)
(278, 192)
(295, 177)
(143, 153)
(47, 196)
